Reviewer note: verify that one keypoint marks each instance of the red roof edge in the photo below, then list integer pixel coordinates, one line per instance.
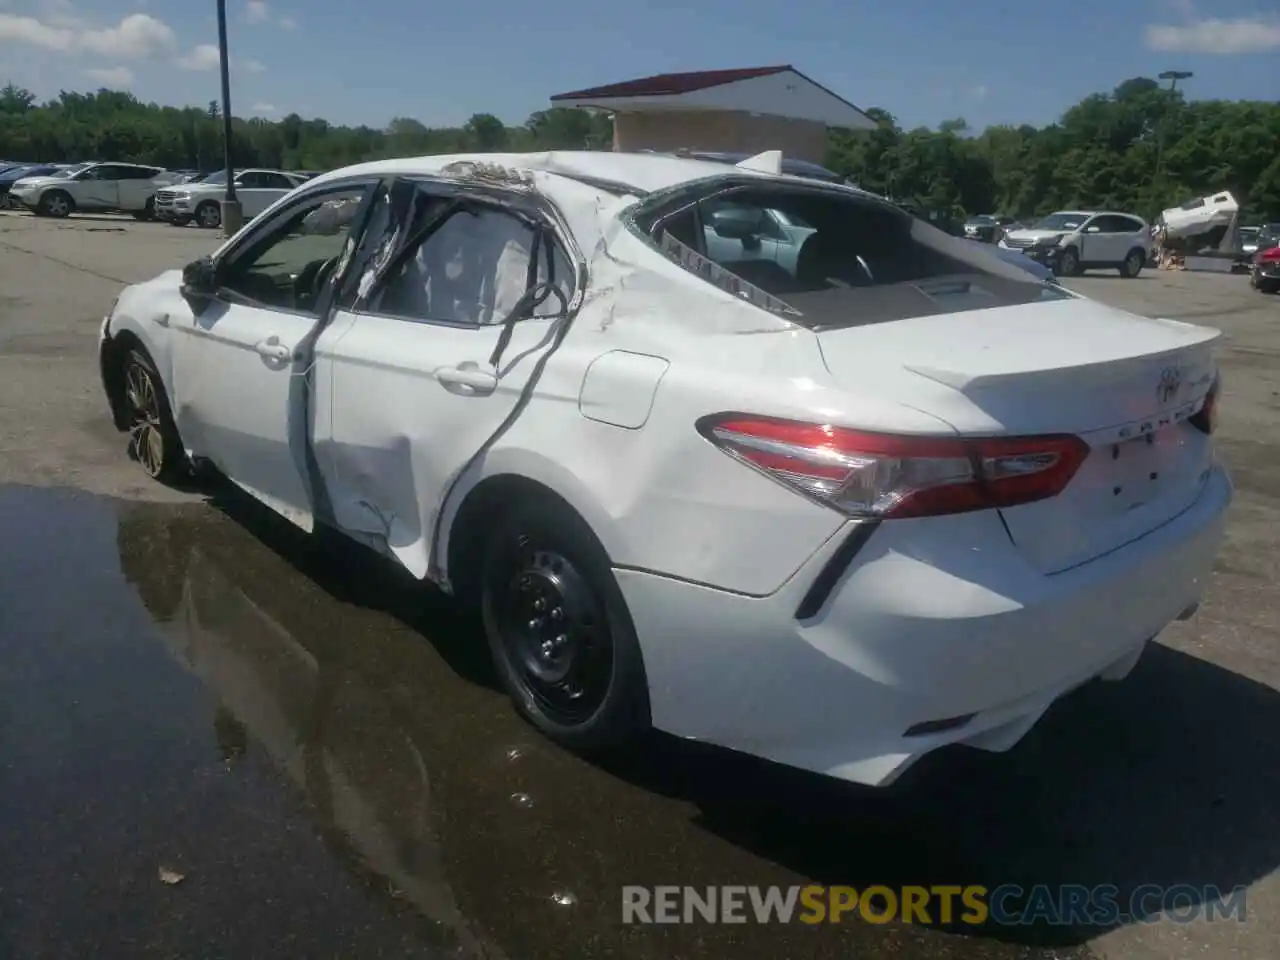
(673, 84)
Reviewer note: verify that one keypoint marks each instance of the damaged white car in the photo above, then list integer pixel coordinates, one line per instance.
(752, 459)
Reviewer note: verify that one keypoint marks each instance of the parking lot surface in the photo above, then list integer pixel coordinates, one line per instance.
(219, 737)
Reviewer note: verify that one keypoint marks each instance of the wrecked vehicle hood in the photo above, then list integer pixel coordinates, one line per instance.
(1200, 215)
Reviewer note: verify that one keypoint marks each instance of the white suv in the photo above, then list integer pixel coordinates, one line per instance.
(1072, 241)
(127, 187)
(202, 201)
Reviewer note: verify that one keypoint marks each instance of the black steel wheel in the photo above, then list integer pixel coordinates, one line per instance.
(559, 630)
(153, 436)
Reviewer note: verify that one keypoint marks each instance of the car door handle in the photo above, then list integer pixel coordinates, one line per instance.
(468, 378)
(273, 349)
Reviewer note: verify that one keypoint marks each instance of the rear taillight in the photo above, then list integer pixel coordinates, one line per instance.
(1206, 418)
(1268, 256)
(894, 475)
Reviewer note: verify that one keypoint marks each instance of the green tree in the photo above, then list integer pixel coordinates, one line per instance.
(1139, 147)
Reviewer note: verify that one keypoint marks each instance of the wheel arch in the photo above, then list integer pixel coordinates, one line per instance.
(503, 477)
(50, 191)
(123, 336)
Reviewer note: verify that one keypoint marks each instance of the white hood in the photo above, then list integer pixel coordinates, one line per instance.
(1034, 233)
(39, 181)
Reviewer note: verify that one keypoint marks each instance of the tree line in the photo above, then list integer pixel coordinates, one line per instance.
(1139, 148)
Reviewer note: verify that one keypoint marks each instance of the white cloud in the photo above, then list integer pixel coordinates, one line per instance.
(33, 32)
(255, 11)
(117, 78)
(206, 57)
(203, 57)
(1224, 37)
(288, 23)
(263, 108)
(136, 37)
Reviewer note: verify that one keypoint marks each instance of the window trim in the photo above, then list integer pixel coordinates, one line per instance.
(227, 258)
(529, 206)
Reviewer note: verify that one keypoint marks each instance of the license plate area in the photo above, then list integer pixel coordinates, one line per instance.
(1143, 468)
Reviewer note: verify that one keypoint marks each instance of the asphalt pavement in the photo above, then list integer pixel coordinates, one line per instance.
(219, 737)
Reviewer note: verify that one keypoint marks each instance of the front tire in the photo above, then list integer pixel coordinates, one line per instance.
(1133, 264)
(55, 203)
(1068, 263)
(153, 436)
(559, 630)
(209, 215)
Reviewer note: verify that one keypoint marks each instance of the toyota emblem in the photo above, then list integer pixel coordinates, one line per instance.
(1170, 384)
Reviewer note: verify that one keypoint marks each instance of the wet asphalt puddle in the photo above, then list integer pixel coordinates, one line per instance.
(222, 738)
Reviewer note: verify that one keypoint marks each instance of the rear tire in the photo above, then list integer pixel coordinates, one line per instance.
(1133, 263)
(1068, 263)
(558, 628)
(148, 212)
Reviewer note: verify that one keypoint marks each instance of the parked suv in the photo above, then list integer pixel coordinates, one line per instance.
(1072, 241)
(96, 186)
(202, 201)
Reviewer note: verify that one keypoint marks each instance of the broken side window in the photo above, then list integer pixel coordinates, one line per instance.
(472, 269)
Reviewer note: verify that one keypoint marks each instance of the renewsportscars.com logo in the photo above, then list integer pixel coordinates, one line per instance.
(1007, 905)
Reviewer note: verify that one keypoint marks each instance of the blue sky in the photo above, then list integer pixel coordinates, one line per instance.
(366, 61)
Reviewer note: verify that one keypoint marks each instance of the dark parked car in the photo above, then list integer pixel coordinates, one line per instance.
(1264, 272)
(11, 175)
(987, 227)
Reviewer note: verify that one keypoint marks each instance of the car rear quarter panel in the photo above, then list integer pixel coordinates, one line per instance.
(660, 497)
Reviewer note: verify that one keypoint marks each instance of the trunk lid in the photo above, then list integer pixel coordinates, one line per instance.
(1125, 384)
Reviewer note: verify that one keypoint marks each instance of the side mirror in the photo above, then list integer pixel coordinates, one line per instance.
(199, 281)
(1092, 229)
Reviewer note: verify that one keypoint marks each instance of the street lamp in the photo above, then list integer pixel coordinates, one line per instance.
(1173, 76)
(232, 213)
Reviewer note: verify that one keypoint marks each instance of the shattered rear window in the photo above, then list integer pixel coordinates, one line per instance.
(718, 276)
(833, 259)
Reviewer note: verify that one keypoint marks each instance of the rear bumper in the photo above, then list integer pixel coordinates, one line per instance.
(926, 625)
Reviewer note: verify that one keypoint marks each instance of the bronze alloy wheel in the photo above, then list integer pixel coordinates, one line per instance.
(153, 436)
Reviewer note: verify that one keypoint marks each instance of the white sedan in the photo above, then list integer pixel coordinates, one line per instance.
(837, 507)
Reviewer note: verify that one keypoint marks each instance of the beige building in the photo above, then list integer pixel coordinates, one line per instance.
(748, 110)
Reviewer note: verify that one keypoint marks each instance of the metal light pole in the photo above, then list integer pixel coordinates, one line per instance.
(1173, 76)
(232, 213)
